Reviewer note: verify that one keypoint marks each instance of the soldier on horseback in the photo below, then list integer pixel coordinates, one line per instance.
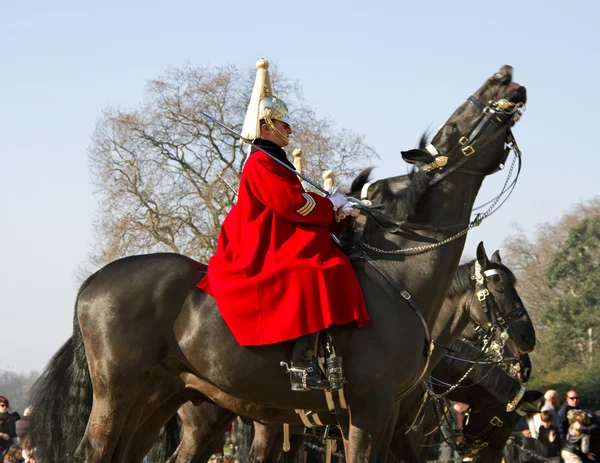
(277, 274)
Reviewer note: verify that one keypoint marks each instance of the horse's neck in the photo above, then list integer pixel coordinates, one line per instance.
(451, 321)
(447, 204)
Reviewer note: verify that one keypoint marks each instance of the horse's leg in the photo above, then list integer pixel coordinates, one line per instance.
(203, 428)
(110, 409)
(264, 436)
(372, 423)
(155, 418)
(149, 397)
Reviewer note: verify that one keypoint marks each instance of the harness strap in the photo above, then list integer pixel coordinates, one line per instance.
(400, 288)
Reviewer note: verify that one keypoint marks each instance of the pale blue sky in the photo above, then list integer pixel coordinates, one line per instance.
(385, 69)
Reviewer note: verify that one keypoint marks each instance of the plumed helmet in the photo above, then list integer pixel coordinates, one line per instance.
(274, 108)
(264, 106)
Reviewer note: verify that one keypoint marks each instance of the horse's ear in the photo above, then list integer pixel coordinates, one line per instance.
(417, 156)
(481, 255)
(496, 257)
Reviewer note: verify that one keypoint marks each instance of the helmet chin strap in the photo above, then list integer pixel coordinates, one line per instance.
(267, 117)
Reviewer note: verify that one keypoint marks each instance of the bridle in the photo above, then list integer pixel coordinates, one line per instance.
(496, 334)
(497, 117)
(490, 340)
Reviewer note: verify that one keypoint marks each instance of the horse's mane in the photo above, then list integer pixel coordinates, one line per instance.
(462, 279)
(403, 203)
(361, 179)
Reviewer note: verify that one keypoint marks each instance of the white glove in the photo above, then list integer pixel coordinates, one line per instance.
(338, 200)
(346, 210)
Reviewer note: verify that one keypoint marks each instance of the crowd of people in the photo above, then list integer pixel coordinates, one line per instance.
(557, 433)
(15, 447)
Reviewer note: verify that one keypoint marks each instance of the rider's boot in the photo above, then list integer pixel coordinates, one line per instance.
(305, 372)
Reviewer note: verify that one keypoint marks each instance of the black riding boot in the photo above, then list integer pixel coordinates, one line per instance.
(305, 372)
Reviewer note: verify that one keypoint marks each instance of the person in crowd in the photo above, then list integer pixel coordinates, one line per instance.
(7, 426)
(534, 420)
(22, 426)
(29, 454)
(571, 402)
(577, 443)
(594, 431)
(14, 455)
(552, 405)
(549, 436)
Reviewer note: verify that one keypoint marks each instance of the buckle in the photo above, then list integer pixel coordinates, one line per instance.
(463, 141)
(481, 295)
(405, 294)
(495, 421)
(468, 150)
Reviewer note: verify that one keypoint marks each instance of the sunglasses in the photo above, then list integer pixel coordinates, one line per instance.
(573, 398)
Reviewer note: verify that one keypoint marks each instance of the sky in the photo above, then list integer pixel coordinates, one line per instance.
(388, 70)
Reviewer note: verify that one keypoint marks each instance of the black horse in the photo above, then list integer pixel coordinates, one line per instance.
(146, 340)
(461, 308)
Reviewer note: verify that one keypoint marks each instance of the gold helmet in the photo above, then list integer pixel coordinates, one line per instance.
(264, 106)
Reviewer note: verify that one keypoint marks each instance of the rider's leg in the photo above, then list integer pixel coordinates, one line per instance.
(306, 373)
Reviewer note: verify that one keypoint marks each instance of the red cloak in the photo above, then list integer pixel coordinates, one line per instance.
(277, 273)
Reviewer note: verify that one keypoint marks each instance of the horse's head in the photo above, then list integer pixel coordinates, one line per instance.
(496, 305)
(475, 135)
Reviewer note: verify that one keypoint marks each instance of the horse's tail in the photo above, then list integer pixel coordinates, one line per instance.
(167, 441)
(61, 399)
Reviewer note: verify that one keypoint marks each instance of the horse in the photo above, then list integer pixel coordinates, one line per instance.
(460, 309)
(491, 392)
(146, 340)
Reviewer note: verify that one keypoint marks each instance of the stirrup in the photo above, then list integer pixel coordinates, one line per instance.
(306, 378)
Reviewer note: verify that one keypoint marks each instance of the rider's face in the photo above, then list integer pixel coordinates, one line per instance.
(267, 134)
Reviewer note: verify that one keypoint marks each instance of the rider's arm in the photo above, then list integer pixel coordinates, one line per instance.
(283, 193)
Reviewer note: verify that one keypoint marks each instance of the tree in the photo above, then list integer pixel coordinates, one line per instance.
(558, 279)
(574, 274)
(165, 176)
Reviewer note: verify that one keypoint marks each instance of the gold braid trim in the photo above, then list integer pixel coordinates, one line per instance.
(438, 163)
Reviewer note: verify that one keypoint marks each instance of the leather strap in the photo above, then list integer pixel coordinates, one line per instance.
(401, 289)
